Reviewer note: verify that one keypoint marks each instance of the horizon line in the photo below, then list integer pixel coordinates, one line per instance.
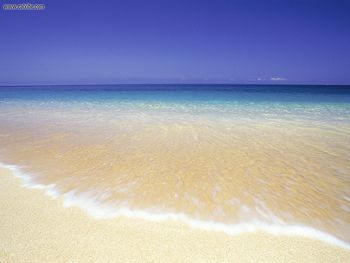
(175, 84)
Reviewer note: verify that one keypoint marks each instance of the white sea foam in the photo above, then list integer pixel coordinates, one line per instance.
(89, 203)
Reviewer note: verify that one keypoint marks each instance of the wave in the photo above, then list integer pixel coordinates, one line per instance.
(88, 203)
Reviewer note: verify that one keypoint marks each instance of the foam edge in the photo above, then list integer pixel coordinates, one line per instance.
(98, 211)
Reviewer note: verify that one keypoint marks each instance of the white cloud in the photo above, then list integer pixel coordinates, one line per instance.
(277, 79)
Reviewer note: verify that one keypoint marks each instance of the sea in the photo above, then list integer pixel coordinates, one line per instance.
(232, 158)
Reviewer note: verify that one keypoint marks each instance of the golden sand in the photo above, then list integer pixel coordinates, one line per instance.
(36, 228)
(228, 170)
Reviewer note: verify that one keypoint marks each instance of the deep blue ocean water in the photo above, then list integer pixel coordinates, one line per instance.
(182, 93)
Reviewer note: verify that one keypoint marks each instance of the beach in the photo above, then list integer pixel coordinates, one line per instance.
(205, 173)
(37, 228)
(175, 131)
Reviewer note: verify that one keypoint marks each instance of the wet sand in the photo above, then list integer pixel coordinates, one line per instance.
(228, 171)
(37, 228)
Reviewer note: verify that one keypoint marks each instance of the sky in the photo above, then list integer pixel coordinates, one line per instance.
(176, 41)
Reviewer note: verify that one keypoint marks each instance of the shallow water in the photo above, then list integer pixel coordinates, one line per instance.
(222, 154)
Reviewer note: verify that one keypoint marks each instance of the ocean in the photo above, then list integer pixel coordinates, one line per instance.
(232, 158)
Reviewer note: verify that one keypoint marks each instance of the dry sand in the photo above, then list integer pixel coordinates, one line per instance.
(36, 228)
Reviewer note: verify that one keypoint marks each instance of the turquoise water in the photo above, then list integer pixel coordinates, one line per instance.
(182, 93)
(329, 103)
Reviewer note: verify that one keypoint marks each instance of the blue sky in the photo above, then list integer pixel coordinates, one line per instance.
(105, 41)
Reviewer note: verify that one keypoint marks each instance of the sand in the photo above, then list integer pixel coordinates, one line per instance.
(36, 228)
(226, 163)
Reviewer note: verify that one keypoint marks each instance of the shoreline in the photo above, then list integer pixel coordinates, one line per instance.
(42, 220)
(97, 212)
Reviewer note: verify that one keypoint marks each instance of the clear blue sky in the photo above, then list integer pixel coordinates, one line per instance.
(179, 41)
